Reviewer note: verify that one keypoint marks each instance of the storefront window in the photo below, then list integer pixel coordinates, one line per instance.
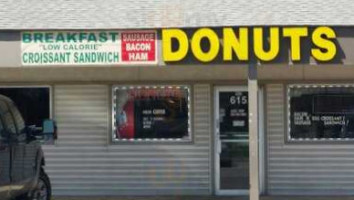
(143, 113)
(33, 103)
(321, 112)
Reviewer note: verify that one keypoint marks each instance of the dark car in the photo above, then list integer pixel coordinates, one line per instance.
(21, 157)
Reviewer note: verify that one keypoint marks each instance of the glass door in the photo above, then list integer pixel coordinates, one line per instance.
(231, 141)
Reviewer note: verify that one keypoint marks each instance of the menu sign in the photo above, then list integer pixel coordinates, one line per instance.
(233, 112)
(139, 46)
(322, 113)
(88, 47)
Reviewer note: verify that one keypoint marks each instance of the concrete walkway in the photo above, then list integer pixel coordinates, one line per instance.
(207, 198)
(153, 198)
(307, 198)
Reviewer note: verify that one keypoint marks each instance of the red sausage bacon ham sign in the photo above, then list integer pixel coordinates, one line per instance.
(138, 46)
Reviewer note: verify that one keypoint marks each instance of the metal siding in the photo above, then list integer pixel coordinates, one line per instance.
(83, 162)
(303, 169)
(133, 14)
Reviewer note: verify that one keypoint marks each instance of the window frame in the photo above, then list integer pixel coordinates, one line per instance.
(50, 87)
(288, 115)
(115, 140)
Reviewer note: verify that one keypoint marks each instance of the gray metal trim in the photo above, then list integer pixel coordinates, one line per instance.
(130, 14)
(90, 165)
(303, 169)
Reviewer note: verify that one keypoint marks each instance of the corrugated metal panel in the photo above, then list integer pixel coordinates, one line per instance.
(82, 114)
(84, 163)
(314, 169)
(133, 14)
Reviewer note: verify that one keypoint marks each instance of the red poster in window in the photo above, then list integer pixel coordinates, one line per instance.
(139, 47)
(125, 122)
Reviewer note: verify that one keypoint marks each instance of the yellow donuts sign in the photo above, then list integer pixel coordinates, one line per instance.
(239, 43)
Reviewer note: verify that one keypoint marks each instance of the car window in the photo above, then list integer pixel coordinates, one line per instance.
(7, 118)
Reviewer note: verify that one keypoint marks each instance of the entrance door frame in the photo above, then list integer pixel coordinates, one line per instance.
(217, 147)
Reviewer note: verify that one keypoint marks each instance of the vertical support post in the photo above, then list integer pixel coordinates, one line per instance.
(253, 131)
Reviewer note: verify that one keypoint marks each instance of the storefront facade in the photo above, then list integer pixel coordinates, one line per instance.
(202, 111)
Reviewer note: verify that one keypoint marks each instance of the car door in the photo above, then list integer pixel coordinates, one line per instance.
(4, 162)
(15, 125)
(16, 147)
(29, 147)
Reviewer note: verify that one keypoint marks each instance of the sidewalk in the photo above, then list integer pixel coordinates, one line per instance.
(153, 198)
(208, 198)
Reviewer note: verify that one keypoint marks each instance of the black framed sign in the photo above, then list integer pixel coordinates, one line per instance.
(321, 112)
(151, 113)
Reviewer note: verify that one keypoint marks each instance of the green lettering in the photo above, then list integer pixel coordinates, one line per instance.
(62, 57)
(30, 57)
(71, 36)
(38, 37)
(113, 35)
(36, 58)
(45, 58)
(101, 57)
(81, 58)
(93, 57)
(109, 56)
(116, 57)
(55, 58)
(50, 57)
(103, 37)
(60, 38)
(92, 37)
(82, 36)
(75, 57)
(87, 57)
(26, 37)
(49, 37)
(68, 56)
(25, 58)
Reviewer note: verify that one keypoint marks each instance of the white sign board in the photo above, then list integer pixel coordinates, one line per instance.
(88, 47)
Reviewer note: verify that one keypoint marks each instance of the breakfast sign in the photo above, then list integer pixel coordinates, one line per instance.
(88, 47)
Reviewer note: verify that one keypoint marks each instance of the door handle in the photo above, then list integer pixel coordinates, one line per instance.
(217, 135)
